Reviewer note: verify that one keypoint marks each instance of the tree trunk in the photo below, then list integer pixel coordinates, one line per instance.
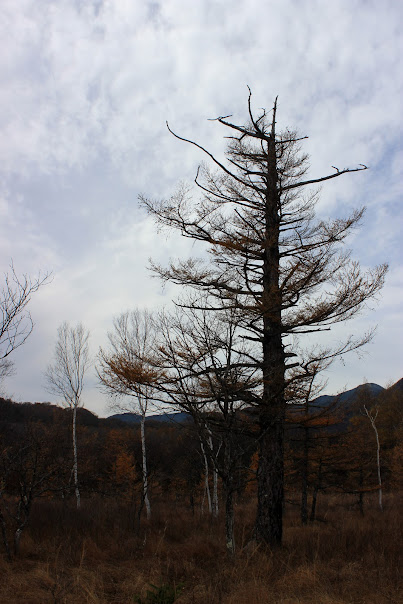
(378, 463)
(372, 417)
(206, 482)
(22, 516)
(304, 476)
(229, 521)
(215, 493)
(361, 493)
(317, 486)
(313, 505)
(17, 538)
(380, 484)
(4, 534)
(270, 485)
(145, 475)
(215, 476)
(75, 463)
(228, 482)
(269, 521)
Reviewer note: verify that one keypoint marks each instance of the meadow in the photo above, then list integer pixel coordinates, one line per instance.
(100, 554)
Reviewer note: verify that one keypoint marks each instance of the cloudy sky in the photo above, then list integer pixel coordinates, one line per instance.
(86, 89)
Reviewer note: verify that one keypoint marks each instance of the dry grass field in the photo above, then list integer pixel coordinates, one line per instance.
(98, 556)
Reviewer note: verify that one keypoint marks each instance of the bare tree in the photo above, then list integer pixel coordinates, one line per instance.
(213, 452)
(16, 323)
(127, 369)
(65, 378)
(282, 271)
(203, 374)
(372, 415)
(29, 469)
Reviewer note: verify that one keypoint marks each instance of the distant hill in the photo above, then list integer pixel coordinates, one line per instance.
(135, 418)
(345, 398)
(47, 413)
(398, 385)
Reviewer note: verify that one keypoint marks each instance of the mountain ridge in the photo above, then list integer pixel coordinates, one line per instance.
(48, 412)
(344, 399)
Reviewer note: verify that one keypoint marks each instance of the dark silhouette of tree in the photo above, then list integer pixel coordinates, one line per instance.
(30, 468)
(283, 272)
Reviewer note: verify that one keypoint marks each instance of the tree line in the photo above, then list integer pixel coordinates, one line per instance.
(332, 452)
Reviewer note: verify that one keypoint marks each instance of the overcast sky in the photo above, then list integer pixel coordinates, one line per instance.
(86, 89)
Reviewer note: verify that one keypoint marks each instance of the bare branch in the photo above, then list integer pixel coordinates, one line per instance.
(16, 323)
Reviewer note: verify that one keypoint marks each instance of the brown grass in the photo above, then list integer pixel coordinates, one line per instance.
(96, 556)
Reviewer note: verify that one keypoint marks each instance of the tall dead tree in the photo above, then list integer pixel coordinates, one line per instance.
(282, 272)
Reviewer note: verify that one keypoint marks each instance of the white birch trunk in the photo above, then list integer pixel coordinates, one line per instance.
(372, 419)
(145, 476)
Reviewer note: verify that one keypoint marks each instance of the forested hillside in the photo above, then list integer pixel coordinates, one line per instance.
(330, 447)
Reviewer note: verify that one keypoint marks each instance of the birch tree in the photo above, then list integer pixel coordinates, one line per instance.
(372, 416)
(283, 272)
(65, 378)
(126, 369)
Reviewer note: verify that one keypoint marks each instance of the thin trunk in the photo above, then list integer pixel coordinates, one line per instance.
(17, 538)
(206, 481)
(229, 521)
(23, 512)
(317, 486)
(304, 476)
(361, 493)
(215, 493)
(229, 503)
(215, 476)
(313, 505)
(372, 419)
(378, 461)
(4, 534)
(75, 463)
(145, 476)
